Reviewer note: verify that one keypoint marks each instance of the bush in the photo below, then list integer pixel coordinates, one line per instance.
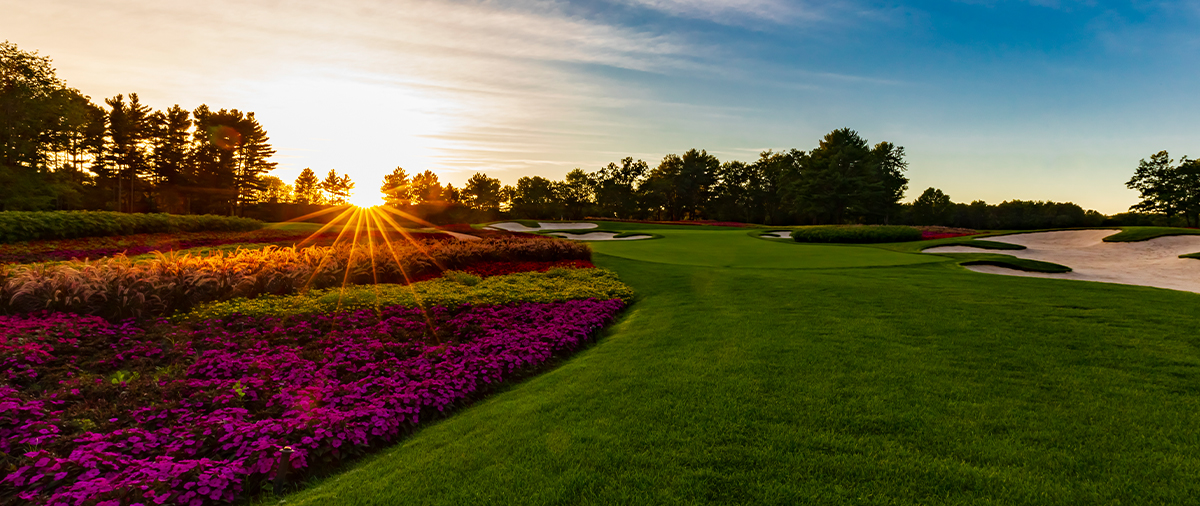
(118, 287)
(18, 226)
(856, 234)
(555, 285)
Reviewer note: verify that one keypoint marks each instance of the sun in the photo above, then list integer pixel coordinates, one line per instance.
(366, 199)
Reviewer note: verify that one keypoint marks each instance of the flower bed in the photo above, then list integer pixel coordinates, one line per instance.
(94, 412)
(550, 286)
(118, 287)
(139, 244)
(935, 232)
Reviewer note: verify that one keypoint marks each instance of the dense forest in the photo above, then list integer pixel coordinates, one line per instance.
(59, 150)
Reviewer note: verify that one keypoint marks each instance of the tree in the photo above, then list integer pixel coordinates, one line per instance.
(836, 179)
(171, 155)
(254, 154)
(274, 191)
(616, 187)
(130, 131)
(396, 188)
(214, 160)
(426, 188)
(577, 193)
(337, 188)
(1159, 186)
(47, 130)
(933, 208)
(535, 197)
(1189, 190)
(307, 189)
(890, 167)
(482, 193)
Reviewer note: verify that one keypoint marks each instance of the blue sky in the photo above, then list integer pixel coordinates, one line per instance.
(992, 100)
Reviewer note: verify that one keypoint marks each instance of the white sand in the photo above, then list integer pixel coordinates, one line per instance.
(461, 236)
(780, 234)
(517, 227)
(599, 236)
(1148, 263)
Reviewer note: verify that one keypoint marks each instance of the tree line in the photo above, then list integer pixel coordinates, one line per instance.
(59, 150)
(844, 179)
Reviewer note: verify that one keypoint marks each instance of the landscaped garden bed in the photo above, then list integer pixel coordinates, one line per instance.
(103, 413)
(274, 360)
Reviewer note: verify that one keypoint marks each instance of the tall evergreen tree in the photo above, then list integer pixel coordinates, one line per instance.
(172, 153)
(130, 132)
(337, 188)
(254, 160)
(426, 188)
(307, 188)
(396, 188)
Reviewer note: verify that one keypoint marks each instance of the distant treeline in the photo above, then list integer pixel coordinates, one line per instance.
(58, 150)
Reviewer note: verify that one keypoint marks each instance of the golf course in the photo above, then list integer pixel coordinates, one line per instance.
(755, 371)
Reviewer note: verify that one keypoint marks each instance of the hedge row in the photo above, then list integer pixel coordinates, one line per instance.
(856, 234)
(16, 226)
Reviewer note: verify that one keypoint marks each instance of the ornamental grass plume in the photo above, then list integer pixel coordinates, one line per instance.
(119, 287)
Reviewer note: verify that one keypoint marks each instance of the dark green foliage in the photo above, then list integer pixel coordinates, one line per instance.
(536, 197)
(307, 189)
(975, 243)
(1167, 188)
(932, 208)
(16, 226)
(844, 179)
(856, 234)
(482, 193)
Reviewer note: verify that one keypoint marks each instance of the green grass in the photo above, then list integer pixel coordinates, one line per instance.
(1134, 234)
(617, 233)
(956, 241)
(902, 383)
(1190, 255)
(1021, 264)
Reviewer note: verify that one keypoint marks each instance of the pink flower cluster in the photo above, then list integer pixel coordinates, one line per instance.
(99, 413)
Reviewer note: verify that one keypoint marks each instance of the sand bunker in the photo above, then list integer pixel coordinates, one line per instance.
(1154, 262)
(599, 236)
(778, 234)
(545, 225)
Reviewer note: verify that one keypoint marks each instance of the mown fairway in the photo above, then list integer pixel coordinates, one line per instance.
(879, 382)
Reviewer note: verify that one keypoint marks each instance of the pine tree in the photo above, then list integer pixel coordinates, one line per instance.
(254, 154)
(337, 188)
(307, 188)
(396, 188)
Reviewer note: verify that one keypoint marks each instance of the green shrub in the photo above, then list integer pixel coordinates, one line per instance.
(523, 286)
(462, 278)
(17, 226)
(856, 234)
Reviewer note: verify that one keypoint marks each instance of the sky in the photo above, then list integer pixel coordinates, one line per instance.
(992, 100)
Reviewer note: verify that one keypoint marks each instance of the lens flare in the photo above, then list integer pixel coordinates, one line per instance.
(366, 199)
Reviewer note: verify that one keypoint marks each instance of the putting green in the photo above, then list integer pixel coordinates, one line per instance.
(734, 248)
